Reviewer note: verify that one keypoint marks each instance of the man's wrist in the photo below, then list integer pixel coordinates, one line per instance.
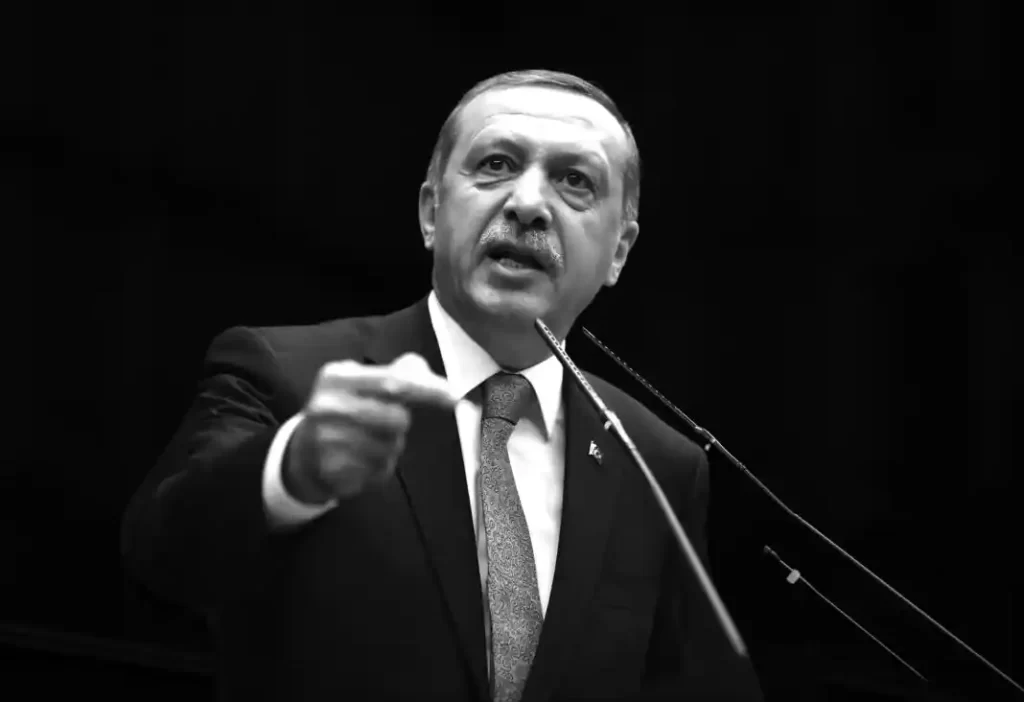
(302, 485)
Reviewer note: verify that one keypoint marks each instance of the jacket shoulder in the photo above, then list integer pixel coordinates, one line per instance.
(280, 363)
(646, 428)
(345, 334)
(287, 343)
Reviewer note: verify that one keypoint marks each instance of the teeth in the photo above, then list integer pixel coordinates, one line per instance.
(516, 260)
(513, 263)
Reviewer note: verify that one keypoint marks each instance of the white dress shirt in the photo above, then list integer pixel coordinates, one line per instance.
(536, 451)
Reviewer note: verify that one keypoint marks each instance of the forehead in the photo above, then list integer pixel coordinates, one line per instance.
(545, 115)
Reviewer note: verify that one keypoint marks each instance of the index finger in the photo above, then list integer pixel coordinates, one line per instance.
(408, 379)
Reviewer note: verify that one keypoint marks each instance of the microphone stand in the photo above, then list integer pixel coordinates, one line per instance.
(712, 441)
(795, 576)
(613, 425)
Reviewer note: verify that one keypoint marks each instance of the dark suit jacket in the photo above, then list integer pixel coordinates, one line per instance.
(380, 599)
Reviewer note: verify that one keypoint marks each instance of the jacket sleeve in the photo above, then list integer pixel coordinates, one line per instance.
(196, 530)
(283, 510)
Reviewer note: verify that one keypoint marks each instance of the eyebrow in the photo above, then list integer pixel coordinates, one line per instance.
(560, 156)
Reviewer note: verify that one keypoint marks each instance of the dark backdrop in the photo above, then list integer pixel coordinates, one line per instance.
(825, 279)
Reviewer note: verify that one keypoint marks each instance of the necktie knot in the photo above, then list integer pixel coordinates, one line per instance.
(506, 396)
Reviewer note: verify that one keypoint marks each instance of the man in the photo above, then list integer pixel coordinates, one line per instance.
(420, 505)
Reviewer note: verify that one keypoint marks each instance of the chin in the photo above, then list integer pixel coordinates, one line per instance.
(510, 306)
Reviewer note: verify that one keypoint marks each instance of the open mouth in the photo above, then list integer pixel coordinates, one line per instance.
(514, 258)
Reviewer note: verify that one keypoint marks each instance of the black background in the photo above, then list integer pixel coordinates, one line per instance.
(825, 279)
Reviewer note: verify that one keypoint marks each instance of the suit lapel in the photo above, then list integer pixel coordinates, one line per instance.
(433, 475)
(589, 497)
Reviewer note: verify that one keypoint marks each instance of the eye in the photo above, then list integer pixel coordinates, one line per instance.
(493, 164)
(575, 179)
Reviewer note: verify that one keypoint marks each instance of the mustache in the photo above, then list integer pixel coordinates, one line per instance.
(530, 240)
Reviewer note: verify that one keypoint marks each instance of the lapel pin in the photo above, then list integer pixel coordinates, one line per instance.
(595, 452)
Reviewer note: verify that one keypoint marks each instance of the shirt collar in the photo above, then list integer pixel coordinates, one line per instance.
(467, 365)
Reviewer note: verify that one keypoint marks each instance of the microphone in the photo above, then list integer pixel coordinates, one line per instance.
(613, 425)
(712, 441)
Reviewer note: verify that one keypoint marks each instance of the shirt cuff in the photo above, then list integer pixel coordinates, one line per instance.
(282, 509)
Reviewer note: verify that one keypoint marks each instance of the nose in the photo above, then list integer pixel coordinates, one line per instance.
(528, 201)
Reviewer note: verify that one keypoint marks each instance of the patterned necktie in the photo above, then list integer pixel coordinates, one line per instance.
(512, 592)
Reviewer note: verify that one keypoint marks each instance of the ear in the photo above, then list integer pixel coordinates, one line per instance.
(627, 237)
(428, 214)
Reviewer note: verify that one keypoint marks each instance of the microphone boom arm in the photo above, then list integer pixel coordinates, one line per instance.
(613, 425)
(712, 441)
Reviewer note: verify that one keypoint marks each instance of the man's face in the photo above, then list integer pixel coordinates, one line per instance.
(529, 221)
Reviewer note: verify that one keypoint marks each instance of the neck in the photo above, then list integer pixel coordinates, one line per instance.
(512, 349)
(511, 340)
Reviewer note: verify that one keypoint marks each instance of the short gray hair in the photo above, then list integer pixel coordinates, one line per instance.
(548, 79)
